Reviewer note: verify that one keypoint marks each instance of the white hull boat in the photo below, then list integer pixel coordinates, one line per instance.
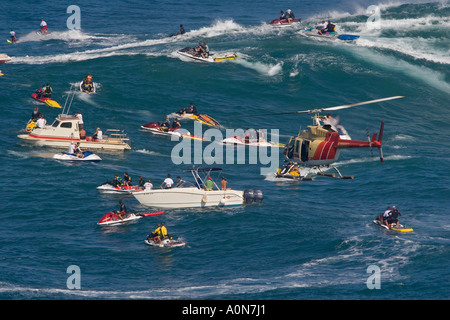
(190, 197)
(65, 129)
(196, 196)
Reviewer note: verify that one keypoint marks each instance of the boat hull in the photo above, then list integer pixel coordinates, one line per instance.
(63, 142)
(189, 198)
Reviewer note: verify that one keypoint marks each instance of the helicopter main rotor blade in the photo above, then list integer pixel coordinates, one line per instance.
(361, 103)
(345, 106)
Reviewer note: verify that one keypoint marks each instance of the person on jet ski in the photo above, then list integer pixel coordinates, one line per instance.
(330, 28)
(393, 217)
(176, 124)
(155, 235)
(78, 151)
(87, 83)
(165, 125)
(48, 91)
(198, 50)
(282, 15)
(122, 211)
(191, 109)
(40, 92)
(290, 16)
(44, 28)
(13, 36)
(127, 179)
(205, 53)
(182, 31)
(117, 182)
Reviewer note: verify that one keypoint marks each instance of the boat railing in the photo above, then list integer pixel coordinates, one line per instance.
(116, 134)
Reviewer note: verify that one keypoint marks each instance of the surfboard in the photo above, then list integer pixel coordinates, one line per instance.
(348, 37)
(53, 103)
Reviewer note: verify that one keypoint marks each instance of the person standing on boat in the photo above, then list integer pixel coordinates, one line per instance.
(80, 120)
(209, 185)
(168, 182)
(148, 185)
(223, 183)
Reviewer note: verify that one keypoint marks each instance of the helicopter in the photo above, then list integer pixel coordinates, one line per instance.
(320, 144)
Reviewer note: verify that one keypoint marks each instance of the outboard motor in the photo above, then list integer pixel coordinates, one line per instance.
(249, 196)
(258, 196)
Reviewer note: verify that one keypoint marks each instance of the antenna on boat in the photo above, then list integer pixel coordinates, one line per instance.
(65, 104)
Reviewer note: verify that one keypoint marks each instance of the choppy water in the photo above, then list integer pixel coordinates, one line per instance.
(308, 240)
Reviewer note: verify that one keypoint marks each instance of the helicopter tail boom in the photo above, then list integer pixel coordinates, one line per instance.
(374, 142)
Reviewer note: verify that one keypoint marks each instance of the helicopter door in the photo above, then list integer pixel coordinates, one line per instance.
(304, 151)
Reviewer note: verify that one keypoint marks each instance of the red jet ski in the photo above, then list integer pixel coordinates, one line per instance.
(284, 22)
(113, 219)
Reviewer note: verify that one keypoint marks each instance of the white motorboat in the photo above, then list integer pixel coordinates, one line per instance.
(65, 129)
(192, 196)
(86, 156)
(4, 58)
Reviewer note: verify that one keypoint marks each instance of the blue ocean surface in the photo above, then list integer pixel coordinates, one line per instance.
(307, 240)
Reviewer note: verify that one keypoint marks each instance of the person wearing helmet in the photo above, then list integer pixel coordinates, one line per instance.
(290, 16)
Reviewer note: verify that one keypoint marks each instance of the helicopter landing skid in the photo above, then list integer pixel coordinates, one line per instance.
(332, 175)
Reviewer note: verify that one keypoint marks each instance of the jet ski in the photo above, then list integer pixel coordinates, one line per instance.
(189, 53)
(158, 128)
(313, 32)
(87, 156)
(400, 228)
(284, 22)
(292, 174)
(165, 243)
(113, 219)
(87, 89)
(47, 100)
(109, 187)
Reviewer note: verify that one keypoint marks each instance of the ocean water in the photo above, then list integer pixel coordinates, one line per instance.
(307, 240)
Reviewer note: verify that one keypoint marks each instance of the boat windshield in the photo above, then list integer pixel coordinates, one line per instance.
(55, 123)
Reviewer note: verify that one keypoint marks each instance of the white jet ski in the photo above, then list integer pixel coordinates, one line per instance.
(87, 156)
(189, 53)
(165, 243)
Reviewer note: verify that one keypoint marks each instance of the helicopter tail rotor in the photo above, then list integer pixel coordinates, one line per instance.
(377, 143)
